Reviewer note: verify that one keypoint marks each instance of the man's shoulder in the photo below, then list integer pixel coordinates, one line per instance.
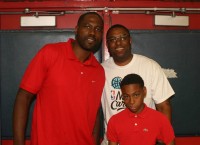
(143, 57)
(55, 45)
(145, 60)
(53, 50)
(59, 44)
(97, 63)
(107, 62)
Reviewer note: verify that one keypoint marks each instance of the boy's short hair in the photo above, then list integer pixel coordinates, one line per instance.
(132, 79)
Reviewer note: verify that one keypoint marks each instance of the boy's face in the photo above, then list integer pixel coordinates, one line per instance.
(133, 96)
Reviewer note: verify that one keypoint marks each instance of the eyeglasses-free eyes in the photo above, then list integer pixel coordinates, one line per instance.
(128, 97)
(115, 39)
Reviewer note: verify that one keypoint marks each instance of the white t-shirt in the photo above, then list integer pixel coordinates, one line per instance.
(158, 87)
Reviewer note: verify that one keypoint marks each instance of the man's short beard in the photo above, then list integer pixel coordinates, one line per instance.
(93, 49)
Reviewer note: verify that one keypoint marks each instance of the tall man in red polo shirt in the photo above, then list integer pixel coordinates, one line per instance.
(138, 124)
(63, 77)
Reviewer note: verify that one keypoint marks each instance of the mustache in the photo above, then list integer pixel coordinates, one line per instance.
(93, 37)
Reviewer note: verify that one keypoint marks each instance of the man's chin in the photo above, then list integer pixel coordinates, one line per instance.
(89, 49)
(95, 48)
(92, 47)
(119, 57)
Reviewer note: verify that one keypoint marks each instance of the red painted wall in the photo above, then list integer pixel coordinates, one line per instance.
(132, 21)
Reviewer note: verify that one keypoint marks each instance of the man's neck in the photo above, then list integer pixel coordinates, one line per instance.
(124, 62)
(81, 54)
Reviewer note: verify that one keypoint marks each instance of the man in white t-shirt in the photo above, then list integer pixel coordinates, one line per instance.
(123, 62)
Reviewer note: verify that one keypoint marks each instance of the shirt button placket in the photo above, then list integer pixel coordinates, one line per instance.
(82, 69)
(135, 123)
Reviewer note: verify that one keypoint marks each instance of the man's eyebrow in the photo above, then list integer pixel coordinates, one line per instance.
(119, 35)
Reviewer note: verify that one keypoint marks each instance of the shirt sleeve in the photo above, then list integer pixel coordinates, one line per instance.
(161, 87)
(35, 72)
(111, 131)
(167, 132)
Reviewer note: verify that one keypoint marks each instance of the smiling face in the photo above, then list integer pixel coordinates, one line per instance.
(89, 32)
(133, 96)
(119, 44)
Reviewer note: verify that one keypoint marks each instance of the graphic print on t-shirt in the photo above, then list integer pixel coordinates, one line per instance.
(116, 98)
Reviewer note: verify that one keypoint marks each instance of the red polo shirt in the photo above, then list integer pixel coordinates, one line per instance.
(68, 95)
(127, 128)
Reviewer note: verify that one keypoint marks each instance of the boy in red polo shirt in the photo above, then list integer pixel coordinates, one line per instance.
(138, 124)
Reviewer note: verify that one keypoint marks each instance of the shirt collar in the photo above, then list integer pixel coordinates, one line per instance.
(142, 114)
(70, 55)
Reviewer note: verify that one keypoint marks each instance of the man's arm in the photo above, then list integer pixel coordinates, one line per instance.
(112, 143)
(165, 108)
(159, 142)
(172, 143)
(20, 115)
(96, 130)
